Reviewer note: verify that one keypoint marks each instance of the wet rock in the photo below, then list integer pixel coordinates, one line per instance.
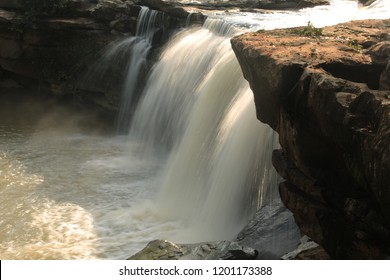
(272, 232)
(327, 96)
(290, 4)
(243, 4)
(366, 2)
(173, 9)
(307, 250)
(166, 250)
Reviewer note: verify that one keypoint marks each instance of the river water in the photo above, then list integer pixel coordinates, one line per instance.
(194, 167)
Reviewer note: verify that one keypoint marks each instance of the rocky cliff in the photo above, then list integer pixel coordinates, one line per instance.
(327, 93)
(49, 45)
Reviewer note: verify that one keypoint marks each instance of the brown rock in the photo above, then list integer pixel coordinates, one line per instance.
(325, 91)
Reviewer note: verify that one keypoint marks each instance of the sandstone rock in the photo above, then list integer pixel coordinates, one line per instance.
(166, 250)
(327, 96)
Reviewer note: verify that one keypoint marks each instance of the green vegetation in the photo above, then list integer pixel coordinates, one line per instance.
(308, 31)
(355, 45)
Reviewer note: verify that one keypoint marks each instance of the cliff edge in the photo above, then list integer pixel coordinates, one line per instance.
(327, 93)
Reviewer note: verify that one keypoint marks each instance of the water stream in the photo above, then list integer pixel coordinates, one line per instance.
(194, 167)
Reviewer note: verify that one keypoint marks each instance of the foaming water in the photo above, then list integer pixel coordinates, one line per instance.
(337, 12)
(74, 196)
(199, 108)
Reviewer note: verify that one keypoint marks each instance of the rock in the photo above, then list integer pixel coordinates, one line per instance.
(272, 232)
(170, 8)
(70, 24)
(384, 81)
(326, 92)
(8, 16)
(366, 2)
(108, 10)
(316, 253)
(51, 44)
(13, 4)
(242, 4)
(307, 250)
(10, 49)
(166, 250)
(290, 4)
(124, 24)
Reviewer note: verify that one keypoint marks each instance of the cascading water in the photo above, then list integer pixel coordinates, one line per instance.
(129, 56)
(220, 154)
(148, 21)
(194, 167)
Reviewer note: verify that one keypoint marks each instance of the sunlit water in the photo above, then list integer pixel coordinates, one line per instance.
(70, 194)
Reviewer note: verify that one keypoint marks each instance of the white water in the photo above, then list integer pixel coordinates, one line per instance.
(190, 170)
(218, 146)
(147, 21)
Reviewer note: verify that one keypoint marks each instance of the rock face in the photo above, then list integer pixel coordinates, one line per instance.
(326, 92)
(48, 45)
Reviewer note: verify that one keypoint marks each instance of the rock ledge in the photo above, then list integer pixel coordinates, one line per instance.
(327, 93)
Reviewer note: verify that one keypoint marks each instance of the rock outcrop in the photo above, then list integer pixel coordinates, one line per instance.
(326, 92)
(49, 45)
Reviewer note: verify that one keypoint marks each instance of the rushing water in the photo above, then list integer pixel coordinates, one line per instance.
(195, 166)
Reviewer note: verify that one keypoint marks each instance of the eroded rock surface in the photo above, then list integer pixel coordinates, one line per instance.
(326, 92)
(166, 250)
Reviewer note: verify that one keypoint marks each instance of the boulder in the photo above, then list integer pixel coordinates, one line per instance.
(272, 232)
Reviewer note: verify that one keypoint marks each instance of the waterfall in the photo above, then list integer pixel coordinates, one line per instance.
(130, 57)
(147, 24)
(198, 108)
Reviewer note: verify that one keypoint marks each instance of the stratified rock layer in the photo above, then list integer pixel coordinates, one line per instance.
(49, 45)
(326, 92)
